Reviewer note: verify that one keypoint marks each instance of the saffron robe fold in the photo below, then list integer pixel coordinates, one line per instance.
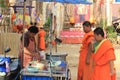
(103, 55)
(84, 70)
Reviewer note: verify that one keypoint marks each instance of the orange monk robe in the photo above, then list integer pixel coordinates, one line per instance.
(103, 55)
(84, 70)
(42, 34)
(113, 77)
(13, 17)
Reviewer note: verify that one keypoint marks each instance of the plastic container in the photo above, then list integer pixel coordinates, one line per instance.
(2, 68)
(56, 57)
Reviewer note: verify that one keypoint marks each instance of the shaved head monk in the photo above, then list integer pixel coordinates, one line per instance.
(104, 56)
(85, 58)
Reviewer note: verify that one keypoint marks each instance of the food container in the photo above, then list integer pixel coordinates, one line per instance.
(57, 56)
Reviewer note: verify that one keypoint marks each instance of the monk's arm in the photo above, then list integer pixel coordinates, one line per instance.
(89, 53)
(92, 43)
(112, 67)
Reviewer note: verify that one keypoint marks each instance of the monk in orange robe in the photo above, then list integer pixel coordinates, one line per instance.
(85, 59)
(41, 42)
(103, 67)
(42, 34)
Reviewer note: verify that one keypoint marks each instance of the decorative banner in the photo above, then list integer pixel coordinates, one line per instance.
(19, 20)
(81, 13)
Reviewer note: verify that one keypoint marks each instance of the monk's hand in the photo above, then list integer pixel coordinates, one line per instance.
(112, 72)
(93, 41)
(87, 61)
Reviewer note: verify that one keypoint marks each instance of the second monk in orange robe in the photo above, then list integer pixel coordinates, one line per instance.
(103, 57)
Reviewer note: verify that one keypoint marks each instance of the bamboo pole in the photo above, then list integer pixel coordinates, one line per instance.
(24, 10)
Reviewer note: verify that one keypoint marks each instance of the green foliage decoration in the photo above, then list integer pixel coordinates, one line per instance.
(3, 4)
(46, 27)
(47, 24)
(111, 33)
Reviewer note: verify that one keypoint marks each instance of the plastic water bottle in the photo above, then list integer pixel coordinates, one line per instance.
(7, 66)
